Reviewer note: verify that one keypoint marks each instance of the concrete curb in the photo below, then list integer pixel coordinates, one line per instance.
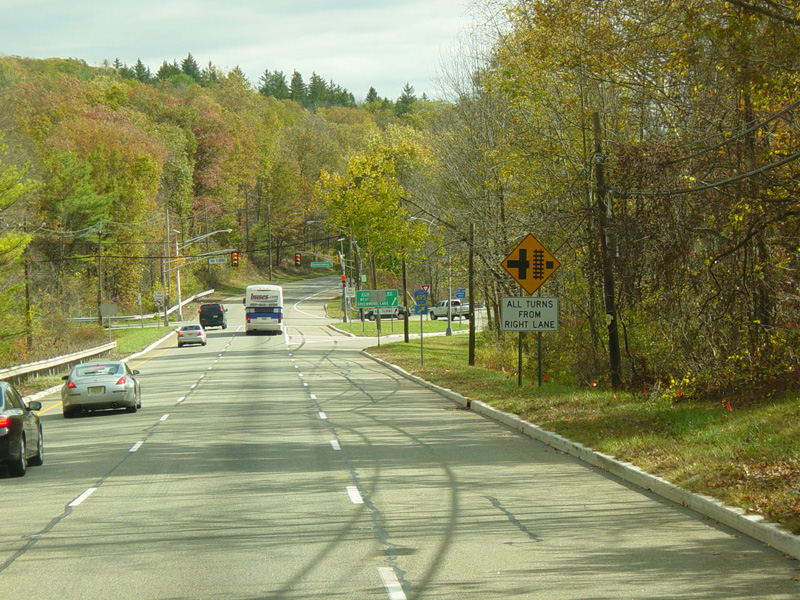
(751, 525)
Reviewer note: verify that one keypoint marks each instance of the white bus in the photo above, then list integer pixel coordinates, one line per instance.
(263, 308)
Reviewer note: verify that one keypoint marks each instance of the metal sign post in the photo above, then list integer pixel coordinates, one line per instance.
(421, 308)
(530, 264)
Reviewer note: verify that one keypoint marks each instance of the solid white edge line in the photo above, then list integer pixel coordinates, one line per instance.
(355, 497)
(136, 446)
(392, 585)
(83, 496)
(335, 445)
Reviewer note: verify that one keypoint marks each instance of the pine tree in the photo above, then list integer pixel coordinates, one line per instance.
(141, 72)
(317, 92)
(405, 101)
(167, 70)
(297, 89)
(190, 67)
(372, 95)
(211, 76)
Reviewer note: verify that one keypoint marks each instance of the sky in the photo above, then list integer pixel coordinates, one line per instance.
(353, 43)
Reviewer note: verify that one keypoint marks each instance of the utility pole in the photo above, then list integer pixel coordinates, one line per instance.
(99, 273)
(607, 258)
(471, 282)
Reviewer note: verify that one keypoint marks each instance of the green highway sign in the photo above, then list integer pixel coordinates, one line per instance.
(376, 298)
(322, 264)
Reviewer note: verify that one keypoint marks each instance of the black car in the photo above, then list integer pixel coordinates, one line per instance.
(21, 441)
(213, 315)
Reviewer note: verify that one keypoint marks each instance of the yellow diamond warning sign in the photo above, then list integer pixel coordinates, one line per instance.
(530, 264)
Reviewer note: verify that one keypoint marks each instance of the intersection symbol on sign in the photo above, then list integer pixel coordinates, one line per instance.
(530, 264)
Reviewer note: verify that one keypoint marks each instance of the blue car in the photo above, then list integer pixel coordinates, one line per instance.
(21, 440)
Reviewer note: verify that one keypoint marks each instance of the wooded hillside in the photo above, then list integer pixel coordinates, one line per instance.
(651, 146)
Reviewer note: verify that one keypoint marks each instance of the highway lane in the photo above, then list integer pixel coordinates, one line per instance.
(294, 467)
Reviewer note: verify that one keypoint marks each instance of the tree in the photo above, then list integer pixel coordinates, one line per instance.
(141, 72)
(406, 101)
(317, 95)
(190, 67)
(167, 71)
(372, 95)
(297, 89)
(274, 84)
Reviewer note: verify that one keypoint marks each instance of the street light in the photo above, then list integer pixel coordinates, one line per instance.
(178, 261)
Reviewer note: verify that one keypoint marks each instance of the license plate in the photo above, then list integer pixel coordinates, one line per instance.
(98, 389)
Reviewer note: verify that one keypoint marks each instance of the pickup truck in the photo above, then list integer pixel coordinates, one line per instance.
(457, 309)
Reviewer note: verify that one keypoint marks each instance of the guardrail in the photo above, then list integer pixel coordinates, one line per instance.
(51, 365)
(147, 316)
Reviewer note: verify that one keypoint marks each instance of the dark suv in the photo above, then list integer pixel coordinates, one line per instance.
(213, 315)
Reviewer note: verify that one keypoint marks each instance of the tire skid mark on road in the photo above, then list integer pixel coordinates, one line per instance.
(344, 369)
(73, 504)
(76, 502)
(357, 493)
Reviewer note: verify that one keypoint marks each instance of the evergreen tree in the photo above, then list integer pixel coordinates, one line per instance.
(167, 70)
(274, 84)
(372, 95)
(237, 75)
(297, 89)
(141, 72)
(190, 67)
(317, 92)
(405, 101)
(211, 76)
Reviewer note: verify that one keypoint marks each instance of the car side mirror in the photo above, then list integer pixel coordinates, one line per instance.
(34, 405)
(65, 377)
(135, 371)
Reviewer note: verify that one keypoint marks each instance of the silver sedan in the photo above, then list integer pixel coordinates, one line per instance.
(100, 385)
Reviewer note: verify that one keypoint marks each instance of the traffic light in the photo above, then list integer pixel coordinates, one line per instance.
(235, 258)
(344, 280)
(297, 260)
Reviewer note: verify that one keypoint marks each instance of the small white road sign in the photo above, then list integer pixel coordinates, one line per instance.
(528, 313)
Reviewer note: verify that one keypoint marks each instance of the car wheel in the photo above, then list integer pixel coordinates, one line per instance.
(433, 316)
(19, 468)
(37, 460)
(68, 413)
(131, 409)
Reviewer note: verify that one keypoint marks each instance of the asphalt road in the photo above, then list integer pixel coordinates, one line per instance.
(294, 467)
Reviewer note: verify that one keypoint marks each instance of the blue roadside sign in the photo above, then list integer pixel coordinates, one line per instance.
(461, 293)
(421, 298)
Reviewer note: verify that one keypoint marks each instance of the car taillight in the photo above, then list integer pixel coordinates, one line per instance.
(121, 381)
(248, 318)
(71, 386)
(5, 421)
(180, 334)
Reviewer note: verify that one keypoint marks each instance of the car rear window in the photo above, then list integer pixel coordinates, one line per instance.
(98, 370)
(211, 308)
